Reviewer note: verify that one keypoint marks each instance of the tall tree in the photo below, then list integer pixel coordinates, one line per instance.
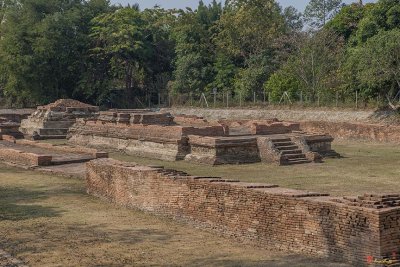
(319, 12)
(194, 49)
(120, 40)
(41, 49)
(249, 31)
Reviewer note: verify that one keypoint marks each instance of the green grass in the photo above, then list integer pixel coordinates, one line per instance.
(365, 167)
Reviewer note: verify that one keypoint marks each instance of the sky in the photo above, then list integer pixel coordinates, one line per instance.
(299, 4)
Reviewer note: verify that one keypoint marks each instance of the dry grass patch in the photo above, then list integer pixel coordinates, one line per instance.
(365, 167)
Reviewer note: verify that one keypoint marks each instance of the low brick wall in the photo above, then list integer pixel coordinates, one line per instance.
(349, 229)
(357, 131)
(25, 159)
(273, 128)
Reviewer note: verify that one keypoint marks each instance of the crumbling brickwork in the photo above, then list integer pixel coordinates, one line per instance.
(261, 214)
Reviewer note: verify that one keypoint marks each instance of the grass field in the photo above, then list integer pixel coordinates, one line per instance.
(364, 167)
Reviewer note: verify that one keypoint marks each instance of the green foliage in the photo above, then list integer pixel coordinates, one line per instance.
(194, 49)
(318, 12)
(104, 54)
(378, 63)
(345, 23)
(280, 83)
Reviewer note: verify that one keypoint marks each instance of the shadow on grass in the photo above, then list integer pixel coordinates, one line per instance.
(12, 211)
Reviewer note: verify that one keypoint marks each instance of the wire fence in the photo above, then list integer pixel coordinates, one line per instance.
(228, 100)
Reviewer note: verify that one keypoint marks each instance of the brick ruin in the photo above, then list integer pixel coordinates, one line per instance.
(163, 136)
(32, 154)
(53, 121)
(352, 229)
(9, 129)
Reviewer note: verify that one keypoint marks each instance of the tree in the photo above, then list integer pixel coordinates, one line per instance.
(248, 34)
(119, 39)
(319, 12)
(314, 63)
(293, 19)
(41, 49)
(378, 63)
(195, 50)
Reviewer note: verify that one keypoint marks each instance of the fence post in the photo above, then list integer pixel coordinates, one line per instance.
(318, 99)
(159, 100)
(301, 97)
(254, 96)
(149, 100)
(215, 99)
(337, 98)
(240, 99)
(227, 99)
(356, 99)
(264, 97)
(269, 98)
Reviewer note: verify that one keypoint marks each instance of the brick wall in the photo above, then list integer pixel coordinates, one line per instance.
(345, 130)
(274, 127)
(343, 229)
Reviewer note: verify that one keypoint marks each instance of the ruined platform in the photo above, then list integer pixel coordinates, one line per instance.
(352, 229)
(54, 120)
(162, 136)
(31, 154)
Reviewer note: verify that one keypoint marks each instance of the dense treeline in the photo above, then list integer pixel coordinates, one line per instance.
(107, 55)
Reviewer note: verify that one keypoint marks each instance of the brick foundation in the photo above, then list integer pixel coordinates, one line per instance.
(345, 229)
(24, 159)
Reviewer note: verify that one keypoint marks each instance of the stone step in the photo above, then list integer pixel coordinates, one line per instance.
(297, 161)
(291, 152)
(45, 137)
(277, 140)
(279, 144)
(293, 147)
(296, 156)
(53, 131)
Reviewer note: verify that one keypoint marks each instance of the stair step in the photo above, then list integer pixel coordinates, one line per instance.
(296, 156)
(297, 161)
(291, 152)
(281, 140)
(289, 143)
(294, 147)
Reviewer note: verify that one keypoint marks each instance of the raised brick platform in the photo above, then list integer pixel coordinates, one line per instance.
(355, 230)
(162, 136)
(27, 153)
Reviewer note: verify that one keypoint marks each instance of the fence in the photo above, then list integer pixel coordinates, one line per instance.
(256, 99)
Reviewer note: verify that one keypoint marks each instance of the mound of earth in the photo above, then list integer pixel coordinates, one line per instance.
(70, 103)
